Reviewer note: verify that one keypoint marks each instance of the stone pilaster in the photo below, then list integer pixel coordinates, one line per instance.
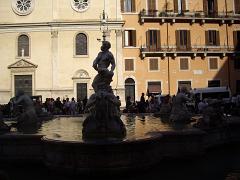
(55, 58)
(120, 86)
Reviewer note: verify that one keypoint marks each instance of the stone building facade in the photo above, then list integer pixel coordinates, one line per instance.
(48, 46)
(172, 43)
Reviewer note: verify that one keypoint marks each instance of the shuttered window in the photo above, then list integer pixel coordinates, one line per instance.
(214, 83)
(129, 65)
(154, 87)
(23, 45)
(184, 64)
(237, 6)
(186, 84)
(81, 44)
(213, 63)
(180, 6)
(210, 7)
(129, 38)
(153, 40)
(183, 39)
(212, 38)
(128, 6)
(153, 64)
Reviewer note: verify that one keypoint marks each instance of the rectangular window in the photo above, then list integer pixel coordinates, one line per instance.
(210, 7)
(154, 87)
(237, 6)
(153, 40)
(153, 64)
(130, 38)
(237, 63)
(151, 7)
(180, 6)
(183, 40)
(186, 84)
(213, 63)
(212, 38)
(184, 64)
(214, 83)
(128, 6)
(129, 65)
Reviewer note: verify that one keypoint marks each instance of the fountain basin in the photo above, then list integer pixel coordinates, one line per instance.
(147, 143)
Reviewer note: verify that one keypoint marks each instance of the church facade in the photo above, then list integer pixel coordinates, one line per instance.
(48, 46)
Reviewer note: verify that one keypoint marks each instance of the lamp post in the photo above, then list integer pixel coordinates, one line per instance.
(104, 24)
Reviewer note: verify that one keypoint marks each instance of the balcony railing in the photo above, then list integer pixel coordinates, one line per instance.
(193, 51)
(191, 17)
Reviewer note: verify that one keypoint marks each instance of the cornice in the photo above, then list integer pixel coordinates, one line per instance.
(61, 24)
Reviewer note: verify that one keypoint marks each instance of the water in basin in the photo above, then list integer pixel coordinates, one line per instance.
(138, 127)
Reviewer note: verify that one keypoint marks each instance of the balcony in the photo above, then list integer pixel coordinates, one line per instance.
(188, 17)
(193, 51)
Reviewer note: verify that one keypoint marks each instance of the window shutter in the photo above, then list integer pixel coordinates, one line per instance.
(188, 40)
(175, 4)
(154, 87)
(153, 64)
(133, 38)
(216, 7)
(152, 5)
(122, 5)
(183, 64)
(158, 40)
(184, 6)
(133, 6)
(235, 40)
(129, 65)
(178, 39)
(148, 39)
(237, 6)
(217, 38)
(207, 38)
(213, 63)
(205, 6)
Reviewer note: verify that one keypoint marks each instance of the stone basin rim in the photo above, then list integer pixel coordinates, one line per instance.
(103, 142)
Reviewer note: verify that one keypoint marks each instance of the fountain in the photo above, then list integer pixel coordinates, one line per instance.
(104, 119)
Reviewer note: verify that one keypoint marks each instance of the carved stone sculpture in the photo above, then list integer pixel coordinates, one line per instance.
(104, 118)
(179, 111)
(28, 117)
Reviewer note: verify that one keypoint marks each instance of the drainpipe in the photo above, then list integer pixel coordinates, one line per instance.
(168, 60)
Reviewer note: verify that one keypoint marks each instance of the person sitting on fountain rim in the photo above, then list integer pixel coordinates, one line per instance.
(101, 64)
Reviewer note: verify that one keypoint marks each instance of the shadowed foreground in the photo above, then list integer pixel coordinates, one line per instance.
(216, 164)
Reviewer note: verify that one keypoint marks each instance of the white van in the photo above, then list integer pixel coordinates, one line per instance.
(212, 93)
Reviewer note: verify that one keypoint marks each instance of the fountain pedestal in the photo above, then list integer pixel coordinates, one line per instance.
(104, 118)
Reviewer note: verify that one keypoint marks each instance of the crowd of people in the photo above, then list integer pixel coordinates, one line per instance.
(147, 104)
(50, 106)
(153, 103)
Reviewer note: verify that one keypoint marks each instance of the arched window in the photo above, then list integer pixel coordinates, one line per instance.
(23, 45)
(81, 44)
